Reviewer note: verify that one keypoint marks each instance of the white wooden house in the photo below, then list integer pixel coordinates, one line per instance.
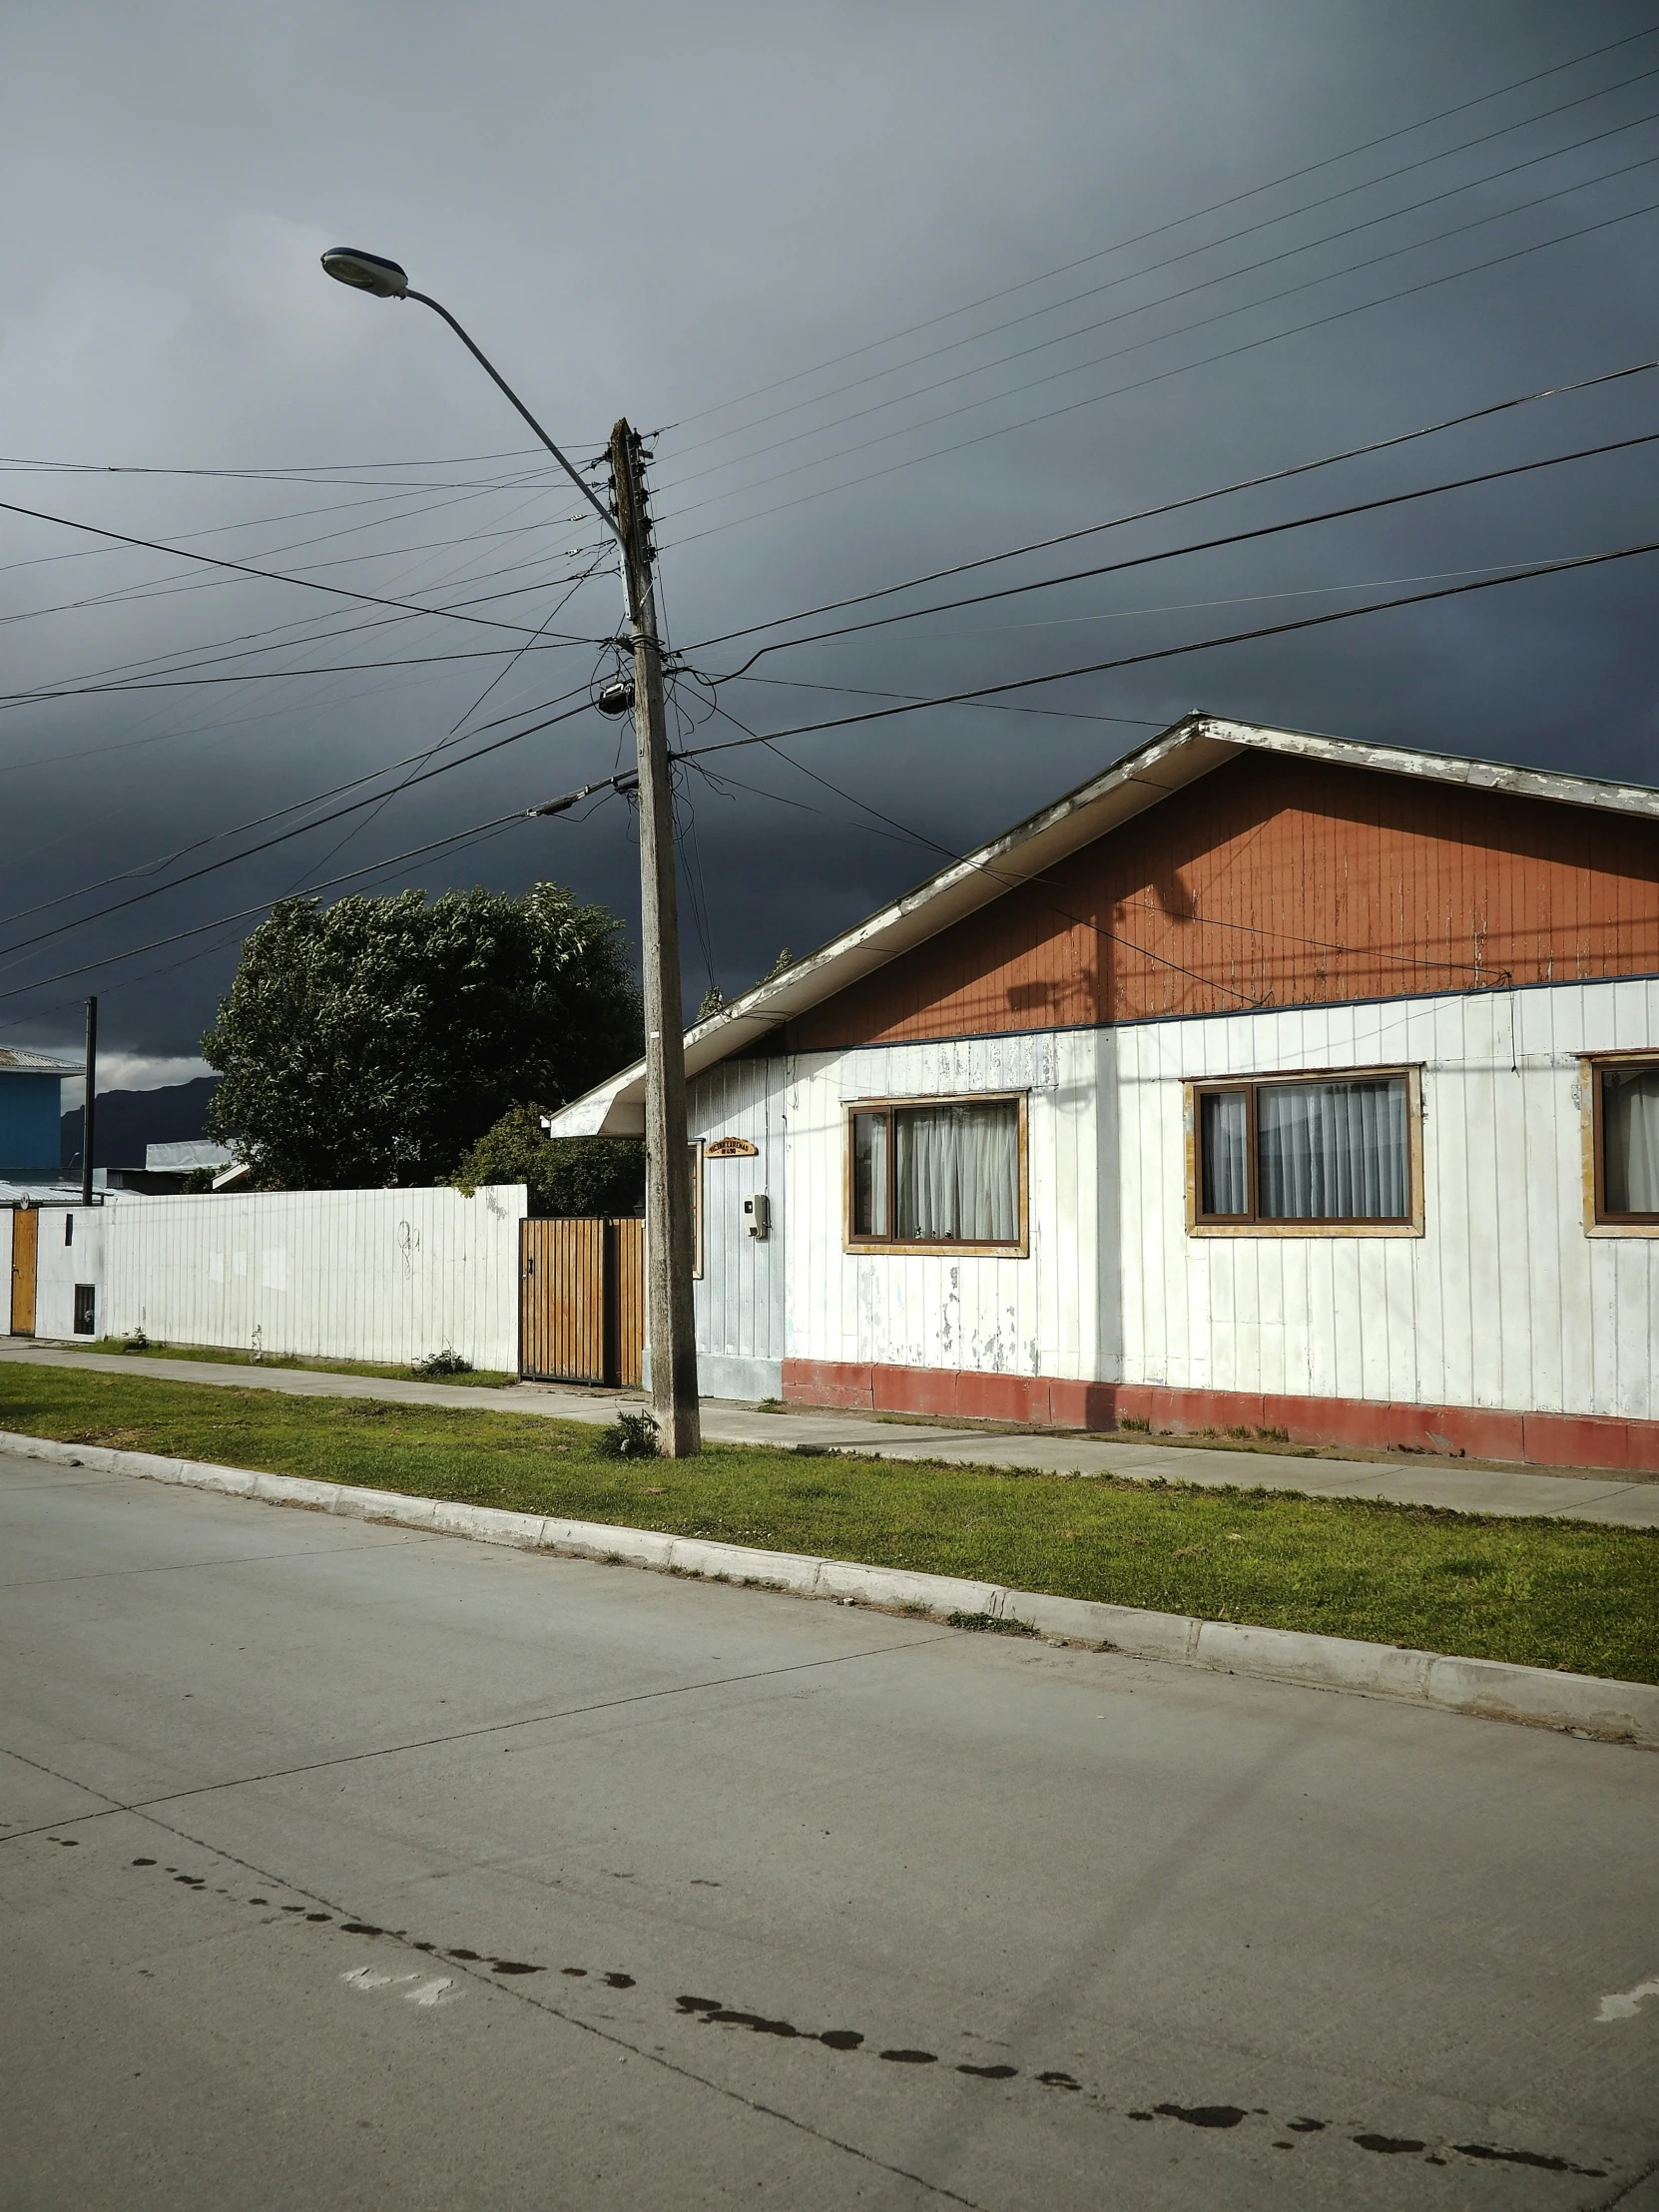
(1266, 1081)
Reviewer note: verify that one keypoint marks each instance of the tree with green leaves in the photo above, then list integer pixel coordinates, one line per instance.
(561, 1175)
(373, 1042)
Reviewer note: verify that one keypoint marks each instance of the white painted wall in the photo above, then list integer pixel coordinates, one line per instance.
(1036, 1316)
(1504, 1301)
(384, 1276)
(739, 1298)
(59, 1266)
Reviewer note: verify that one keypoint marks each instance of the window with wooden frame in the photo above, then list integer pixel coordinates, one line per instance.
(937, 1175)
(1332, 1154)
(1623, 1105)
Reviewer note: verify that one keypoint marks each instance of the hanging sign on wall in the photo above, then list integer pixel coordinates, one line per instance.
(730, 1148)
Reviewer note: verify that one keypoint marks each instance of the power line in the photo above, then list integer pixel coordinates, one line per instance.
(980, 867)
(1180, 330)
(1189, 499)
(1284, 937)
(333, 668)
(316, 799)
(242, 568)
(1207, 360)
(1161, 229)
(301, 830)
(222, 921)
(1199, 645)
(1227, 275)
(1200, 545)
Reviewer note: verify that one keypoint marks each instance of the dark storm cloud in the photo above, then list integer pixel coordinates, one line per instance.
(660, 213)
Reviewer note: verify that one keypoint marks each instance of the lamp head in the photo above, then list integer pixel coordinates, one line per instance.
(348, 265)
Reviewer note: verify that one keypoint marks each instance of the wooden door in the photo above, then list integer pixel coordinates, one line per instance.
(562, 1301)
(582, 1301)
(25, 1251)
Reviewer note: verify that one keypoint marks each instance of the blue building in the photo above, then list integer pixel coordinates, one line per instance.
(30, 1111)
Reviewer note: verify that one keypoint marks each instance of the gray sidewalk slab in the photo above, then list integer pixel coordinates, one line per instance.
(1518, 1491)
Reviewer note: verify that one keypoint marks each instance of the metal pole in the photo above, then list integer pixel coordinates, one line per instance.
(671, 1321)
(89, 1111)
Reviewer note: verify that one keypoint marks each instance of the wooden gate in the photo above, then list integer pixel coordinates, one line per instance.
(581, 1301)
(24, 1253)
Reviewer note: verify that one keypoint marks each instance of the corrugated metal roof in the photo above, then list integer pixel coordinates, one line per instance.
(1154, 771)
(15, 1061)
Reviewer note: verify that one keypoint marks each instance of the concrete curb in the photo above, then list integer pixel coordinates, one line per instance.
(1616, 1712)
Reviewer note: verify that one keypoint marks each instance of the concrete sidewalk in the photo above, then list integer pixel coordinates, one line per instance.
(1517, 1491)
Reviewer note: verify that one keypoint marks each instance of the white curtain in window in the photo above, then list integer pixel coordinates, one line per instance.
(869, 1175)
(959, 1173)
(1223, 1121)
(1630, 1140)
(1333, 1151)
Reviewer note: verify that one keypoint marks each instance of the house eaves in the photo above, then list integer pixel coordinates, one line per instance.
(1156, 771)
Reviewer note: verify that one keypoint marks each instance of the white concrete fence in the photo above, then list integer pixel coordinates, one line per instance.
(382, 1276)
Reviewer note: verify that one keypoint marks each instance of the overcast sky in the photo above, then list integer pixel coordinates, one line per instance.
(898, 287)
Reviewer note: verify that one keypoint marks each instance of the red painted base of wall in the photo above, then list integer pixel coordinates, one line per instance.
(1535, 1439)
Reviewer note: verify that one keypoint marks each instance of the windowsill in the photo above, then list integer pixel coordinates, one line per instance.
(938, 1251)
(1621, 1229)
(1304, 1228)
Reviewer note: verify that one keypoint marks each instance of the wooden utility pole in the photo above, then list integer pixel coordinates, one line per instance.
(670, 1321)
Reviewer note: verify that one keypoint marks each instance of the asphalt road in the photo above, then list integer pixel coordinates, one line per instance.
(344, 1867)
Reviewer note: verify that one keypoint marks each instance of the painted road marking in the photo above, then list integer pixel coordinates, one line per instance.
(1623, 2007)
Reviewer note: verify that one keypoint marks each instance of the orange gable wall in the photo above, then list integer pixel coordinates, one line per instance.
(1278, 881)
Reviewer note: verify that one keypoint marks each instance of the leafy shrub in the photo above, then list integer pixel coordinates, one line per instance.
(437, 1365)
(563, 1175)
(630, 1437)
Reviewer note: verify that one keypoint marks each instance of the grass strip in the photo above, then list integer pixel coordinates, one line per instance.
(1572, 1595)
(479, 1379)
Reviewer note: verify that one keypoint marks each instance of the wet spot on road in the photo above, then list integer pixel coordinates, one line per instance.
(320, 1915)
(1306, 2127)
(756, 2023)
(840, 2038)
(913, 2057)
(990, 2073)
(359, 1927)
(619, 1981)
(1529, 2159)
(576, 1973)
(1206, 2116)
(1389, 2146)
(513, 1966)
(144, 1862)
(1054, 2080)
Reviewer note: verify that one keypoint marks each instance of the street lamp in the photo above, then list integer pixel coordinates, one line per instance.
(668, 1196)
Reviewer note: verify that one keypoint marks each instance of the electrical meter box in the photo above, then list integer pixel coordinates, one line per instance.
(757, 1214)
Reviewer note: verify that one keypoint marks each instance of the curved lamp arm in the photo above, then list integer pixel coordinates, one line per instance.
(372, 273)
